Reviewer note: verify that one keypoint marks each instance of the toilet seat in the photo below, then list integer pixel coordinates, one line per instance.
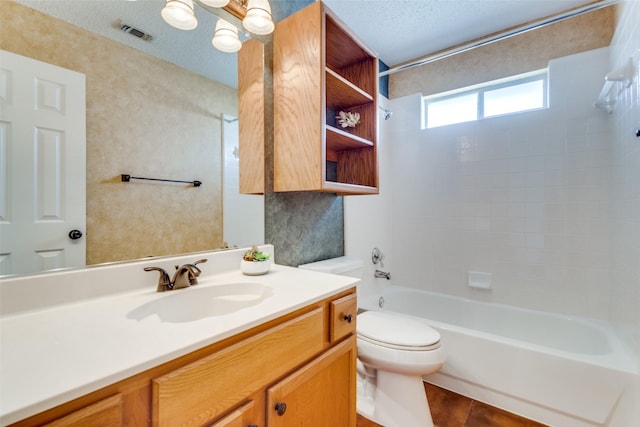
(393, 330)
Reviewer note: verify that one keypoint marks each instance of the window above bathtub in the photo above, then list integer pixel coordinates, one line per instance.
(515, 94)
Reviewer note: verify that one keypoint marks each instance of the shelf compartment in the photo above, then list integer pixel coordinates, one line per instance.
(352, 167)
(339, 140)
(341, 93)
(368, 121)
(348, 56)
(355, 166)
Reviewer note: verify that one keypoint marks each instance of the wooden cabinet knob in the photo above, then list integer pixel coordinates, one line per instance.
(281, 408)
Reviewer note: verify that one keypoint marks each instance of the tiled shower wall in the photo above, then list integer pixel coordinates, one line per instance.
(524, 197)
(625, 188)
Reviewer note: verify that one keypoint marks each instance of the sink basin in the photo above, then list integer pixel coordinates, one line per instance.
(199, 302)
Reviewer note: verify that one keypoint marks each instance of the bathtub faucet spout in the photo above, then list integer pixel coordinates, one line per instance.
(379, 274)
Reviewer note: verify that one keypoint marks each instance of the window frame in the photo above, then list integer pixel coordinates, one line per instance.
(480, 89)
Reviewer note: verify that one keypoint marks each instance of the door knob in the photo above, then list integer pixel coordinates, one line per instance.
(281, 408)
(75, 234)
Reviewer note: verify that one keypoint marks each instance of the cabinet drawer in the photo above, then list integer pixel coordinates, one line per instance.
(201, 391)
(343, 316)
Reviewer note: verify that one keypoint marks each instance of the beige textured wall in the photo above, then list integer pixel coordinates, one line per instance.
(145, 117)
(519, 54)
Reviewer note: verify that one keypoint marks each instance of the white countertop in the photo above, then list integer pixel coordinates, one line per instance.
(52, 355)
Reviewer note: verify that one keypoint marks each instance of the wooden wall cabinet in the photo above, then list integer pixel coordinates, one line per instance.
(299, 369)
(319, 69)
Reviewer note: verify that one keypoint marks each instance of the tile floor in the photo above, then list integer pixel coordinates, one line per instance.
(449, 409)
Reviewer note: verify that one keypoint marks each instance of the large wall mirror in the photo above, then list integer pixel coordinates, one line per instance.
(148, 117)
(145, 117)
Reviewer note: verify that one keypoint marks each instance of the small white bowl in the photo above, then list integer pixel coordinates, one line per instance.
(255, 268)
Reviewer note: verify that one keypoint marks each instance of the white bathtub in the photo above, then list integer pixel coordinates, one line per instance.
(558, 370)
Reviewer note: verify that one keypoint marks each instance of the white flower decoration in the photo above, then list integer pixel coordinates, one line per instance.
(348, 119)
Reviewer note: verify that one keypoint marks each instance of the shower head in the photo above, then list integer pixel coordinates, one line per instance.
(387, 113)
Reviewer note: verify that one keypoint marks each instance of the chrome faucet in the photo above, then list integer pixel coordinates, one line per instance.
(185, 276)
(379, 274)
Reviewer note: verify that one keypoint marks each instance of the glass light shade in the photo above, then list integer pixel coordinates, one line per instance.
(179, 14)
(215, 3)
(258, 18)
(225, 37)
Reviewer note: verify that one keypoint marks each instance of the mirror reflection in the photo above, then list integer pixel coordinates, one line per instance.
(144, 117)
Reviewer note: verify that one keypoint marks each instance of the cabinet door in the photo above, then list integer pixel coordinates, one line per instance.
(105, 413)
(251, 112)
(320, 394)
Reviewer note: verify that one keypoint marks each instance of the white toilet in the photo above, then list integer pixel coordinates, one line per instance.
(394, 352)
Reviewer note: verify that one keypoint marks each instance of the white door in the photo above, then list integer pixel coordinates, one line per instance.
(243, 214)
(42, 166)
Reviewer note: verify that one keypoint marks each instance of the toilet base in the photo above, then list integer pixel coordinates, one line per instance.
(393, 400)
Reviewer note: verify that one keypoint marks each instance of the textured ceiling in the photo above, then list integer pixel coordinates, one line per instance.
(398, 30)
(402, 30)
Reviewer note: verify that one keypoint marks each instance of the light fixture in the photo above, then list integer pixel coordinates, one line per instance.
(179, 14)
(215, 3)
(225, 37)
(258, 19)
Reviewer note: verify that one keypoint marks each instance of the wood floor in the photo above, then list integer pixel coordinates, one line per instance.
(449, 409)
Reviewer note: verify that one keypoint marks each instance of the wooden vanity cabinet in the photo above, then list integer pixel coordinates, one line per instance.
(305, 360)
(319, 69)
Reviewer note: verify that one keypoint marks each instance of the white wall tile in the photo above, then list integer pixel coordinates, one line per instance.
(495, 195)
(625, 188)
(548, 202)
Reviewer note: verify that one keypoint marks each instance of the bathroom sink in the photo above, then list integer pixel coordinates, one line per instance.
(199, 302)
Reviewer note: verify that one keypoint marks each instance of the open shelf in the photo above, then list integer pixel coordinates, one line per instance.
(341, 93)
(347, 189)
(339, 140)
(351, 86)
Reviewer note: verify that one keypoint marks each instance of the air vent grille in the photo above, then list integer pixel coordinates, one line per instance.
(134, 31)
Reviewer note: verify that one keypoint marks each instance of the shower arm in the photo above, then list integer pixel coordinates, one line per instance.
(387, 113)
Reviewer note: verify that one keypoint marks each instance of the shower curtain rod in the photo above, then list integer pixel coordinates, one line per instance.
(500, 36)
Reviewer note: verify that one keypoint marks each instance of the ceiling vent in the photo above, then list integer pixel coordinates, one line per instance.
(134, 31)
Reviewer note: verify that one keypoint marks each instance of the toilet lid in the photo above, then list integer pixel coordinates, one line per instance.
(395, 329)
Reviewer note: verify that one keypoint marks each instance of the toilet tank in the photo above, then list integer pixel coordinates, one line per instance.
(344, 266)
